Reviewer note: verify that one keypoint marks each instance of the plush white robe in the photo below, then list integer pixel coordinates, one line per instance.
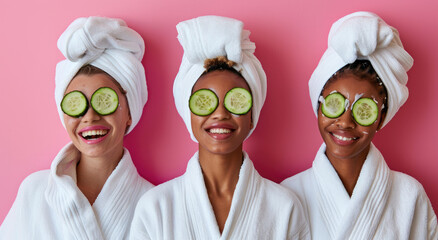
(181, 209)
(384, 205)
(49, 205)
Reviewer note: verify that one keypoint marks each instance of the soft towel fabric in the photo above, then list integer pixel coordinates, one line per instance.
(180, 209)
(108, 44)
(363, 35)
(384, 205)
(49, 204)
(210, 37)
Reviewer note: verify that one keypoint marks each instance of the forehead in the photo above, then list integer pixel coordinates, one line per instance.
(350, 85)
(90, 83)
(220, 81)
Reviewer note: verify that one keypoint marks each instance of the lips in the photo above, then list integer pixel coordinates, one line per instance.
(93, 134)
(343, 138)
(220, 131)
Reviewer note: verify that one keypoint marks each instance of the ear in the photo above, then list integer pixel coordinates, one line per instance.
(382, 119)
(129, 122)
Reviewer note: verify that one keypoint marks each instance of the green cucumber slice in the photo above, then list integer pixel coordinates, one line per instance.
(104, 101)
(203, 102)
(334, 105)
(238, 101)
(74, 104)
(365, 111)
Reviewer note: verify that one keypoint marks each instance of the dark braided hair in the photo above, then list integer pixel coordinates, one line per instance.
(220, 63)
(363, 70)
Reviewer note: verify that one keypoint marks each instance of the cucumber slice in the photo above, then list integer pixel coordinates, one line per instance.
(203, 102)
(334, 105)
(238, 101)
(74, 104)
(365, 111)
(104, 101)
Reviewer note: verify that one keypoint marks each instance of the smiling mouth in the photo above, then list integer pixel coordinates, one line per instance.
(219, 130)
(342, 138)
(94, 134)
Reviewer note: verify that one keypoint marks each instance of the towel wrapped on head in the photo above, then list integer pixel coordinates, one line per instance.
(364, 35)
(108, 44)
(209, 37)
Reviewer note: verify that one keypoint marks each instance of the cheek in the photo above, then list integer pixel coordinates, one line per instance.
(196, 122)
(122, 113)
(70, 122)
(367, 132)
(245, 122)
(323, 122)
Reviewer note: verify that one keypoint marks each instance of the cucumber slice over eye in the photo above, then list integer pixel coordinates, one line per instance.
(333, 106)
(365, 111)
(203, 102)
(104, 101)
(74, 104)
(238, 101)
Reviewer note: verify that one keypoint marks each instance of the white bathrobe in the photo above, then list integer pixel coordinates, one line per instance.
(49, 204)
(384, 205)
(181, 209)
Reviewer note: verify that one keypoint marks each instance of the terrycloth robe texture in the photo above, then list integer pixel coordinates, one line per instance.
(210, 37)
(181, 209)
(364, 35)
(384, 205)
(49, 205)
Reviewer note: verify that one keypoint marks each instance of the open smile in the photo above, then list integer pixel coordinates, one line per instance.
(220, 132)
(93, 134)
(343, 139)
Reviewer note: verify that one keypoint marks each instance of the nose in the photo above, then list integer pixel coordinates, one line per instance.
(221, 113)
(346, 121)
(90, 115)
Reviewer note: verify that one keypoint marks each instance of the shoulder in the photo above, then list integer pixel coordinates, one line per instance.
(409, 198)
(27, 205)
(287, 209)
(406, 184)
(35, 183)
(282, 195)
(145, 184)
(410, 190)
(156, 206)
(299, 180)
(160, 195)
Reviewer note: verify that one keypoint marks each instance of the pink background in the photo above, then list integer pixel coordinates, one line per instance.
(291, 37)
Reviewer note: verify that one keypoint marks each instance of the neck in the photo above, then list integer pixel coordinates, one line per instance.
(348, 169)
(221, 174)
(92, 173)
(221, 171)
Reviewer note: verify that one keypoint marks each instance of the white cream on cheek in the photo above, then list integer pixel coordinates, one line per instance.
(356, 97)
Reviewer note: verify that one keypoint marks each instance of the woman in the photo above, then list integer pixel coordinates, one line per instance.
(221, 195)
(92, 188)
(358, 86)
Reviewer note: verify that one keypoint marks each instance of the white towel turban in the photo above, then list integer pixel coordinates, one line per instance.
(364, 35)
(210, 37)
(108, 44)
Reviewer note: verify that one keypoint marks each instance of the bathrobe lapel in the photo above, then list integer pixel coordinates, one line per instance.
(356, 217)
(110, 214)
(200, 215)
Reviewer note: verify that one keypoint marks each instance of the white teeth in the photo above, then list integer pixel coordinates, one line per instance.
(343, 138)
(220, 130)
(99, 132)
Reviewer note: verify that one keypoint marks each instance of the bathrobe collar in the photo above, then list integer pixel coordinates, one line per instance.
(356, 217)
(107, 217)
(202, 222)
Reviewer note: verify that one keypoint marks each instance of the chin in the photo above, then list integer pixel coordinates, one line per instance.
(221, 150)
